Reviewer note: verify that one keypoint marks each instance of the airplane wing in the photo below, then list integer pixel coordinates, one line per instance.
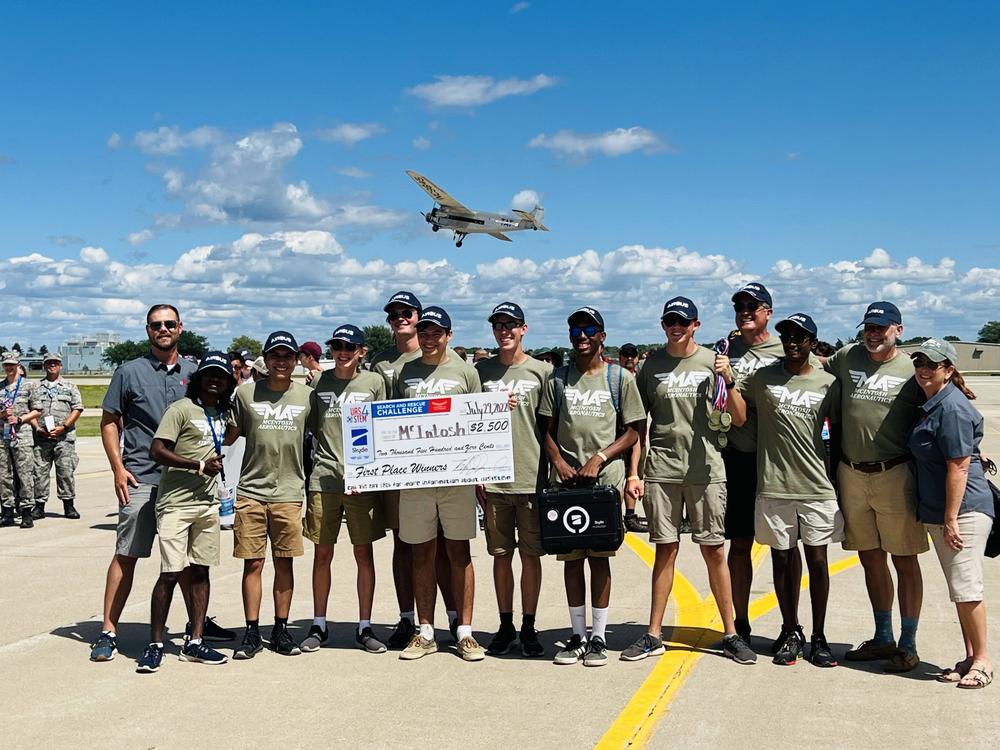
(437, 193)
(500, 236)
(532, 217)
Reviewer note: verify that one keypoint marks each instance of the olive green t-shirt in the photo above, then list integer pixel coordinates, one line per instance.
(880, 403)
(791, 457)
(388, 363)
(526, 381)
(587, 421)
(274, 425)
(186, 425)
(677, 393)
(417, 380)
(744, 361)
(329, 397)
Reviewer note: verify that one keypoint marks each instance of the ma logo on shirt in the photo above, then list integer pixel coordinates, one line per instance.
(683, 379)
(432, 385)
(795, 398)
(750, 365)
(206, 429)
(516, 387)
(577, 397)
(334, 402)
(876, 382)
(279, 413)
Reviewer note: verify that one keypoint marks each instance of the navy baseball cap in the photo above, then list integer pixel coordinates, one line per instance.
(245, 354)
(436, 315)
(756, 290)
(280, 338)
(350, 334)
(680, 306)
(629, 350)
(216, 359)
(799, 320)
(507, 308)
(403, 298)
(881, 314)
(591, 312)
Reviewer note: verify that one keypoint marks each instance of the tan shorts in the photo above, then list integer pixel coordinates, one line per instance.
(188, 535)
(421, 510)
(257, 521)
(390, 508)
(706, 506)
(782, 524)
(325, 512)
(504, 515)
(880, 511)
(963, 570)
(582, 554)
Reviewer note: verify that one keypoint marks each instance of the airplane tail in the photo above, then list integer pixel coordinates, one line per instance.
(534, 217)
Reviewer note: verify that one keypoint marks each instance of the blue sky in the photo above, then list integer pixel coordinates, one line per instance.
(841, 154)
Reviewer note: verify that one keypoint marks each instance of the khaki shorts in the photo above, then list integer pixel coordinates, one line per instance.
(963, 570)
(706, 506)
(421, 510)
(582, 554)
(188, 535)
(781, 524)
(326, 510)
(504, 515)
(257, 521)
(390, 508)
(880, 511)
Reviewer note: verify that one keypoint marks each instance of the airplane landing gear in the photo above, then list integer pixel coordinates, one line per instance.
(434, 227)
(459, 236)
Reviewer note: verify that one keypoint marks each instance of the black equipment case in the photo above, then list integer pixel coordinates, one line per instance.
(581, 518)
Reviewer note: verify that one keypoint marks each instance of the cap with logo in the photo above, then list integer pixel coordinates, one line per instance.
(216, 359)
(591, 312)
(350, 334)
(280, 338)
(312, 348)
(507, 308)
(52, 357)
(629, 350)
(436, 315)
(680, 306)
(882, 314)
(937, 350)
(798, 320)
(756, 290)
(11, 358)
(403, 297)
(245, 354)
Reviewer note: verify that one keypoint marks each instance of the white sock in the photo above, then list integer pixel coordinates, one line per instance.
(427, 631)
(362, 624)
(578, 620)
(111, 633)
(600, 621)
(464, 631)
(452, 616)
(159, 645)
(320, 622)
(411, 616)
(191, 642)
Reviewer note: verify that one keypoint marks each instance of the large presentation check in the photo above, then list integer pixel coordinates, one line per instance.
(427, 442)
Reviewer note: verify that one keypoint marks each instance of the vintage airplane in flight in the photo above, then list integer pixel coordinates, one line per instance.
(450, 214)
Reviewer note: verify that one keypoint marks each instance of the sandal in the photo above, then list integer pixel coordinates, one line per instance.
(979, 676)
(956, 673)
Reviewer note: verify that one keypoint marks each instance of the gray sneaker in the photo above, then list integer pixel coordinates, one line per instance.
(367, 641)
(316, 638)
(571, 652)
(597, 653)
(735, 648)
(648, 645)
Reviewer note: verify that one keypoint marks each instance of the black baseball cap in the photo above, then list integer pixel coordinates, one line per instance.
(756, 290)
(629, 350)
(591, 312)
(403, 297)
(507, 308)
(280, 338)
(436, 315)
(350, 334)
(882, 314)
(680, 306)
(798, 320)
(245, 354)
(216, 359)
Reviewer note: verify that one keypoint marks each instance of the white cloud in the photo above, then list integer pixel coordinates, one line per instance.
(421, 143)
(137, 238)
(350, 133)
(472, 91)
(518, 7)
(171, 140)
(353, 172)
(617, 142)
(96, 255)
(114, 140)
(524, 200)
(66, 239)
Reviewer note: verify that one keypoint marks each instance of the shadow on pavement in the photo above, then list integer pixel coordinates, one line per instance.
(105, 526)
(923, 672)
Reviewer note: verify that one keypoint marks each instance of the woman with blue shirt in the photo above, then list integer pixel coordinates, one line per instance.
(953, 498)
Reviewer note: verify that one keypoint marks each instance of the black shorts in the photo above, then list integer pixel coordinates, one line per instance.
(741, 493)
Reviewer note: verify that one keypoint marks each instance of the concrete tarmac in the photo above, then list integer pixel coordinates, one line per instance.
(52, 585)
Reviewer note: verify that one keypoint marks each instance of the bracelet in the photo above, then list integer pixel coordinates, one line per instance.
(604, 458)
(201, 466)
(731, 385)
(634, 478)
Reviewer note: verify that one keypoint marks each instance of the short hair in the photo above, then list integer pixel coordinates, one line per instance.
(154, 308)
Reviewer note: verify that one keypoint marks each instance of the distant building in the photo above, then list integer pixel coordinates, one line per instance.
(86, 354)
(973, 356)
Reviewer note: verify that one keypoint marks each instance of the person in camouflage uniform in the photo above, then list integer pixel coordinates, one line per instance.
(19, 405)
(61, 401)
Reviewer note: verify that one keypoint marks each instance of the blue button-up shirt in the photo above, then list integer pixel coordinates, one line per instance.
(950, 428)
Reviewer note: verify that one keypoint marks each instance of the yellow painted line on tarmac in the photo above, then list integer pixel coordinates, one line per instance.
(763, 605)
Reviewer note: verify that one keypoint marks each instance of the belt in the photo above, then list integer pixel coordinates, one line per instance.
(874, 467)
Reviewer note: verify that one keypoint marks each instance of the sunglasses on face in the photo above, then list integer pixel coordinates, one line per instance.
(576, 332)
(395, 315)
(923, 363)
(507, 325)
(343, 346)
(748, 306)
(676, 320)
(795, 338)
(156, 325)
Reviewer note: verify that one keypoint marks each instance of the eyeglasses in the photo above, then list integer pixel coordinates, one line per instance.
(753, 306)
(507, 325)
(156, 325)
(924, 363)
(576, 332)
(343, 346)
(676, 320)
(797, 338)
(395, 315)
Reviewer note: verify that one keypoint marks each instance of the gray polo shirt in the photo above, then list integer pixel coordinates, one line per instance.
(140, 391)
(950, 428)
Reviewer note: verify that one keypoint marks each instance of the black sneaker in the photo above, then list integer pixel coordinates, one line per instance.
(636, 525)
(819, 652)
(251, 645)
(743, 631)
(150, 660)
(366, 641)
(735, 648)
(530, 645)
(401, 634)
(199, 653)
(572, 651)
(314, 640)
(779, 642)
(281, 643)
(502, 641)
(790, 651)
(104, 648)
(212, 632)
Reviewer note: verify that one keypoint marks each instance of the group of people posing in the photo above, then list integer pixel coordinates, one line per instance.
(727, 440)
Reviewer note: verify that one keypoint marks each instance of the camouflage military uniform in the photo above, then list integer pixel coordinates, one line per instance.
(57, 399)
(18, 454)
